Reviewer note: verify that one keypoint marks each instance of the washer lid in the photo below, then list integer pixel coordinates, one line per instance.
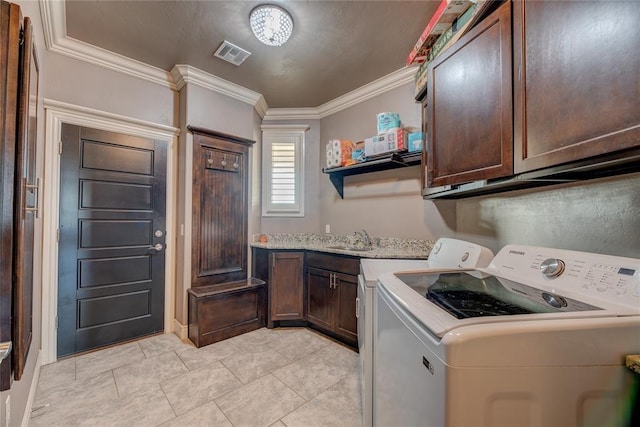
(474, 294)
(529, 306)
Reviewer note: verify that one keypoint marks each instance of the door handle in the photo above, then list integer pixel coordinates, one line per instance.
(158, 247)
(357, 308)
(5, 349)
(36, 189)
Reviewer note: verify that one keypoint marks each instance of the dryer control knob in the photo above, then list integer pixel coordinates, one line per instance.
(552, 267)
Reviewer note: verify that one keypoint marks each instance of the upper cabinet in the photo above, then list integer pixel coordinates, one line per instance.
(539, 91)
(469, 105)
(576, 80)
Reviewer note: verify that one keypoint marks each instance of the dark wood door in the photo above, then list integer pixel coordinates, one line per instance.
(469, 102)
(10, 23)
(112, 238)
(345, 316)
(286, 286)
(320, 297)
(577, 91)
(27, 188)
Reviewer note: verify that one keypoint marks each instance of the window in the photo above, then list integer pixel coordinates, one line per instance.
(283, 170)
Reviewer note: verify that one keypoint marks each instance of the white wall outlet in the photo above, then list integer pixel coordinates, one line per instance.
(327, 228)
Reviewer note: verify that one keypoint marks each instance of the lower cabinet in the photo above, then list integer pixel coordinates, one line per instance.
(310, 288)
(284, 273)
(332, 287)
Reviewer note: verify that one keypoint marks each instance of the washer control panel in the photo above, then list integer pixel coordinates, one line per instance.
(605, 277)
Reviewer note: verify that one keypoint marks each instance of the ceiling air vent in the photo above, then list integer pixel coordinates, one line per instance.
(232, 53)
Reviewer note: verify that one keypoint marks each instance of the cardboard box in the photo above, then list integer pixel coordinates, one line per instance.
(387, 142)
(414, 141)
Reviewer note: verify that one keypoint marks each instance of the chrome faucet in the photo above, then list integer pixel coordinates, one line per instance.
(364, 237)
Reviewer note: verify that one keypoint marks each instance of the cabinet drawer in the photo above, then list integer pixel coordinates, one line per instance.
(341, 264)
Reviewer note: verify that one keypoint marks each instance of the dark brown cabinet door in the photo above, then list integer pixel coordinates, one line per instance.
(346, 292)
(577, 91)
(320, 297)
(469, 102)
(10, 26)
(27, 187)
(219, 244)
(286, 286)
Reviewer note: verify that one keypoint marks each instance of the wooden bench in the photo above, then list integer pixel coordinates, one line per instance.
(221, 311)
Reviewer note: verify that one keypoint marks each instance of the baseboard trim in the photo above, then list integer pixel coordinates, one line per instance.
(32, 391)
(182, 331)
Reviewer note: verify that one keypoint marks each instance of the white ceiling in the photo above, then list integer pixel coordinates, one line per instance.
(336, 46)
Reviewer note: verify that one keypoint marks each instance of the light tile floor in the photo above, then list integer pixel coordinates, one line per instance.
(269, 377)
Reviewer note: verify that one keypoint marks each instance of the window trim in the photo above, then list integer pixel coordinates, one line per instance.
(270, 134)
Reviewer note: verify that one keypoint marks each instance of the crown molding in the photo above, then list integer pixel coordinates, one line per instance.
(383, 84)
(53, 16)
(54, 24)
(275, 128)
(183, 74)
(307, 113)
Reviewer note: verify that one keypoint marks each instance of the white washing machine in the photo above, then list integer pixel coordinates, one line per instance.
(538, 339)
(446, 253)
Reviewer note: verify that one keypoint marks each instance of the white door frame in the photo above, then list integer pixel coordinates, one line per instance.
(56, 113)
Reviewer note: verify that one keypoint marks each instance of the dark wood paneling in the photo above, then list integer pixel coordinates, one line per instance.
(115, 233)
(114, 308)
(320, 297)
(220, 209)
(337, 263)
(218, 312)
(346, 321)
(286, 286)
(27, 190)
(228, 311)
(107, 259)
(577, 91)
(115, 195)
(10, 22)
(469, 97)
(260, 264)
(112, 271)
(115, 158)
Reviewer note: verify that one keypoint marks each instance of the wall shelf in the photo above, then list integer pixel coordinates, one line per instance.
(393, 161)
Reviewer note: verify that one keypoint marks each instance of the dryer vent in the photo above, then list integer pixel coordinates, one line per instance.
(232, 53)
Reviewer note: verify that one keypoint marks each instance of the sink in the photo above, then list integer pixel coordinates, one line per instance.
(351, 248)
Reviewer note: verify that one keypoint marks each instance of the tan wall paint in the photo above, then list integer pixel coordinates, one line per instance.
(385, 203)
(81, 83)
(601, 216)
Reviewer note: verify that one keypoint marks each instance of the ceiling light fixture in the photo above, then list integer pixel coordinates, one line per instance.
(271, 24)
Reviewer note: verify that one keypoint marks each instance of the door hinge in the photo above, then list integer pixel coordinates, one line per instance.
(60, 148)
(56, 322)
(58, 235)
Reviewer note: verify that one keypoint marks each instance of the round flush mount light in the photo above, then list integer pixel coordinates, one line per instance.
(272, 25)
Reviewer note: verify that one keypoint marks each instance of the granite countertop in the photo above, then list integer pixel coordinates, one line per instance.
(382, 247)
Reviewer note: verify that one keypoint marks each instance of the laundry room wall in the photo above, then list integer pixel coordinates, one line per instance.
(387, 203)
(601, 216)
